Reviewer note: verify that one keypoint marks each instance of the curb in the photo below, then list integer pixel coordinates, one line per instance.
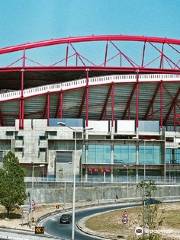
(97, 235)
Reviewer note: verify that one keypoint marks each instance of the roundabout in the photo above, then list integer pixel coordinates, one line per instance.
(63, 231)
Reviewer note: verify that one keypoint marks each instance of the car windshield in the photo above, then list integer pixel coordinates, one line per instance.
(65, 216)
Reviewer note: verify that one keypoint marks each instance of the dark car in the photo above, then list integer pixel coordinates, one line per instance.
(150, 201)
(65, 218)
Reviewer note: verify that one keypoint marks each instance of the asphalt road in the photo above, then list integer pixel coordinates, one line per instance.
(63, 231)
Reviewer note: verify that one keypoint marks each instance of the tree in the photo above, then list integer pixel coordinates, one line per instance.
(12, 186)
(152, 218)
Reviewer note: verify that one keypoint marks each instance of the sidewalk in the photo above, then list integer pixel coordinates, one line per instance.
(11, 234)
(22, 223)
(20, 229)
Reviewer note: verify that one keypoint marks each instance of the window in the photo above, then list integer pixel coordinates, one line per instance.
(52, 133)
(9, 133)
(99, 153)
(124, 154)
(177, 155)
(19, 137)
(42, 137)
(149, 154)
(63, 157)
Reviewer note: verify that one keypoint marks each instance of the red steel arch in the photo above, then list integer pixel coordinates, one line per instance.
(89, 39)
(25, 76)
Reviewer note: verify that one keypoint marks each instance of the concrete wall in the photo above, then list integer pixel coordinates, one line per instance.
(62, 192)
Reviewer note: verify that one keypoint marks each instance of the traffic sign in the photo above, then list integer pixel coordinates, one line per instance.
(125, 217)
(39, 230)
(125, 220)
(138, 231)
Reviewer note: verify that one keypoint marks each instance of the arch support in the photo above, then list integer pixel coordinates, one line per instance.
(87, 97)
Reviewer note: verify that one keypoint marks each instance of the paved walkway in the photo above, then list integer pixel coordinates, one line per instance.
(19, 234)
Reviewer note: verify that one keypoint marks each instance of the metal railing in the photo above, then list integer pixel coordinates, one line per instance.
(107, 179)
(82, 82)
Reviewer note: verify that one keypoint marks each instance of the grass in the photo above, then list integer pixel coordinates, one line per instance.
(172, 219)
(16, 214)
(111, 223)
(12, 215)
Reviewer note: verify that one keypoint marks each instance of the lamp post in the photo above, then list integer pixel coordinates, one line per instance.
(144, 161)
(137, 157)
(33, 167)
(127, 179)
(74, 177)
(74, 174)
(32, 188)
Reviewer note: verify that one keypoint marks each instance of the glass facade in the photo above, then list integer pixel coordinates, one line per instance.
(169, 155)
(177, 155)
(173, 156)
(99, 153)
(122, 153)
(150, 154)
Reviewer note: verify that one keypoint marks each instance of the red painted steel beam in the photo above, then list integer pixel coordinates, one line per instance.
(171, 96)
(87, 97)
(137, 101)
(161, 104)
(67, 54)
(129, 100)
(106, 102)
(106, 52)
(112, 105)
(143, 54)
(152, 101)
(82, 103)
(46, 113)
(59, 108)
(21, 106)
(91, 38)
(92, 69)
(48, 108)
(78, 56)
(163, 55)
(130, 61)
(161, 59)
(173, 103)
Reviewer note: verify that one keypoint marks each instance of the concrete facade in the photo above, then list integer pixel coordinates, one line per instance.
(50, 149)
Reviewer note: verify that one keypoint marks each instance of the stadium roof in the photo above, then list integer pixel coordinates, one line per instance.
(113, 84)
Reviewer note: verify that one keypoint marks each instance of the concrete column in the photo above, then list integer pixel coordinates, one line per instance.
(112, 161)
(137, 161)
(86, 159)
(112, 150)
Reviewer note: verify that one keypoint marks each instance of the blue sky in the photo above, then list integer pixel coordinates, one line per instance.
(33, 20)
(24, 21)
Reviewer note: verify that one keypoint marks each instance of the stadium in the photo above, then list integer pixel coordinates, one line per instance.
(109, 102)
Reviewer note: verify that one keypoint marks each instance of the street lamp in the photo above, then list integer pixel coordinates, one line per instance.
(126, 166)
(127, 177)
(33, 167)
(74, 174)
(137, 157)
(32, 186)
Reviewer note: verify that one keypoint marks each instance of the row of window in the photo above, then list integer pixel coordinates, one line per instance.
(122, 154)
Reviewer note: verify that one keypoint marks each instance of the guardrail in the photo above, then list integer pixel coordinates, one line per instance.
(92, 81)
(106, 180)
